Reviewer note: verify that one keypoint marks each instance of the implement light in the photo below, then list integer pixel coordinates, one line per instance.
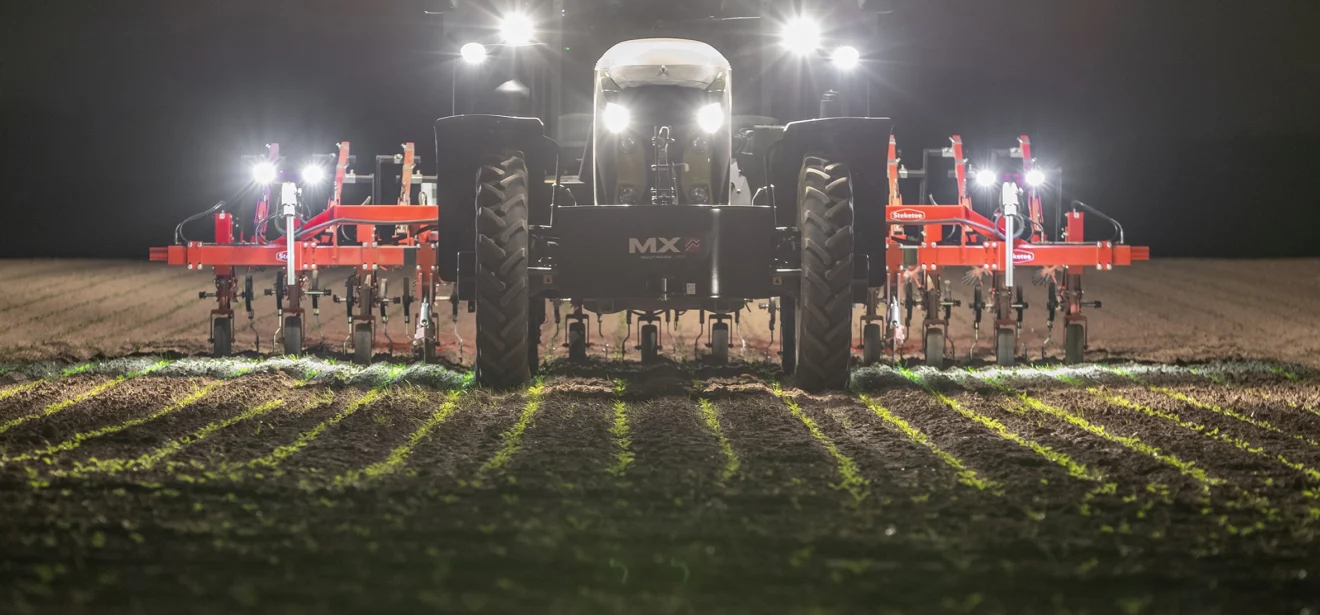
(516, 29)
(986, 178)
(711, 117)
(1035, 177)
(313, 174)
(264, 173)
(473, 53)
(616, 117)
(801, 35)
(846, 57)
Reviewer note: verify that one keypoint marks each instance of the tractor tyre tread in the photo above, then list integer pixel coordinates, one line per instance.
(502, 287)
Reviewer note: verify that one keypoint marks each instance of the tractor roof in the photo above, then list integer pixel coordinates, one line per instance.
(663, 61)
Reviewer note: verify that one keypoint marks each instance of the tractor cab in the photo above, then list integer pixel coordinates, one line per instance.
(661, 121)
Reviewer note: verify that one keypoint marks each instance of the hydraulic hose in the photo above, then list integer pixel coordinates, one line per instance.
(303, 233)
(179, 238)
(1118, 228)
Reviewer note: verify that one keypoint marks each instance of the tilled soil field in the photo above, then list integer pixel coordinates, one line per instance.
(148, 484)
(1166, 311)
(1180, 475)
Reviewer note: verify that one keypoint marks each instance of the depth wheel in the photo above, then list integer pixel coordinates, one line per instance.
(825, 325)
(872, 344)
(788, 334)
(222, 337)
(362, 343)
(577, 342)
(650, 343)
(1005, 347)
(935, 348)
(1074, 343)
(719, 342)
(502, 296)
(293, 336)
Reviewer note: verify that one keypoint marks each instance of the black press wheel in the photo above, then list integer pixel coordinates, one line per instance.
(293, 335)
(719, 342)
(502, 297)
(872, 344)
(577, 341)
(1005, 347)
(222, 337)
(362, 343)
(825, 217)
(1074, 342)
(650, 343)
(935, 348)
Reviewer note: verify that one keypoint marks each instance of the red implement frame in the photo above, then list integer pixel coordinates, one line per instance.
(913, 268)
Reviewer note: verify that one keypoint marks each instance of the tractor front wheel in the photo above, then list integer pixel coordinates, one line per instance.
(825, 217)
(502, 288)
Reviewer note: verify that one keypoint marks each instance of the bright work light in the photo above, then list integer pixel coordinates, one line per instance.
(616, 117)
(846, 57)
(263, 173)
(473, 53)
(1035, 177)
(711, 117)
(986, 178)
(516, 29)
(801, 35)
(313, 174)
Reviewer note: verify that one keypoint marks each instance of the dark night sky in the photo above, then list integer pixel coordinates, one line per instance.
(1193, 122)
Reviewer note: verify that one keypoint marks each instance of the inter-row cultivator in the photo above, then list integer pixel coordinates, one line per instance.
(676, 206)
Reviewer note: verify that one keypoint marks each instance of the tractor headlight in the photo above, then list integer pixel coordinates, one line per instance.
(698, 195)
(1035, 177)
(616, 117)
(516, 29)
(711, 117)
(801, 35)
(313, 174)
(264, 173)
(986, 178)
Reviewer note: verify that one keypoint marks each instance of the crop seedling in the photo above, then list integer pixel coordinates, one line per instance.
(850, 478)
(619, 431)
(1233, 414)
(965, 475)
(712, 419)
(513, 437)
(399, 456)
(79, 398)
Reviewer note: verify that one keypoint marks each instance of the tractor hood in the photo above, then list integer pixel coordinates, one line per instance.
(663, 61)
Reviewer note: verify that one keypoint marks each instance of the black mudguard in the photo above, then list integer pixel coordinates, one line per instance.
(460, 143)
(860, 142)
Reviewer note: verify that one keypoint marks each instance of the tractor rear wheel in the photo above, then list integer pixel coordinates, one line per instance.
(1005, 347)
(935, 348)
(293, 336)
(825, 217)
(872, 344)
(222, 337)
(502, 289)
(719, 342)
(362, 343)
(1074, 343)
